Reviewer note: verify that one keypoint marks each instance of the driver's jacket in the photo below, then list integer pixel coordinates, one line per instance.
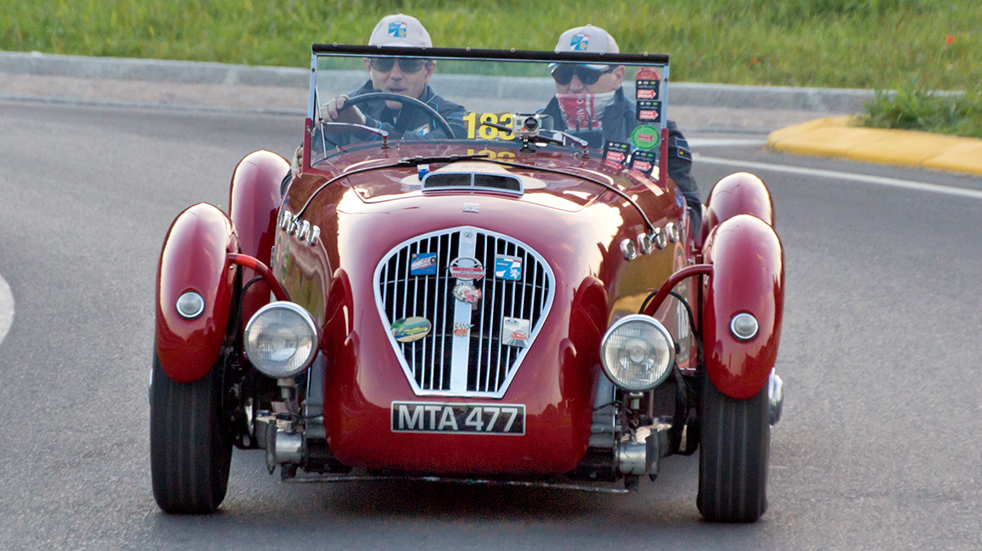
(417, 125)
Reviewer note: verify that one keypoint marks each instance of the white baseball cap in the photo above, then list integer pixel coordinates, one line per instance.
(587, 39)
(400, 30)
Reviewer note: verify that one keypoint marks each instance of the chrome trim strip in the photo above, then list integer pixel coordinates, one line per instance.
(775, 398)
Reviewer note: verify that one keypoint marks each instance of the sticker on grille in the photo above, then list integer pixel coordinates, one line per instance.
(485, 296)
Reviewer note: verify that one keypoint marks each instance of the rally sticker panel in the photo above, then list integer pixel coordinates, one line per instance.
(430, 417)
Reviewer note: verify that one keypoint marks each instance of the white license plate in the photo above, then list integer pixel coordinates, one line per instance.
(432, 417)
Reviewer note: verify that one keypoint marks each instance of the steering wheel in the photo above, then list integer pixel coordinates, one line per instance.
(406, 101)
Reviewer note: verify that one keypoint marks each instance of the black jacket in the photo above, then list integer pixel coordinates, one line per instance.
(618, 122)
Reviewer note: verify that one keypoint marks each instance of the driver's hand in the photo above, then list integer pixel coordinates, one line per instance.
(335, 111)
(297, 160)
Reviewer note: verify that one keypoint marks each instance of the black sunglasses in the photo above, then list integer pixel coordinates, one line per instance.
(407, 65)
(563, 74)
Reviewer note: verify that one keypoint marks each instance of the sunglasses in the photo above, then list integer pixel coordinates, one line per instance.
(406, 65)
(563, 74)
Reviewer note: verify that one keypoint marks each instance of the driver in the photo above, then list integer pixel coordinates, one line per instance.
(404, 76)
(613, 115)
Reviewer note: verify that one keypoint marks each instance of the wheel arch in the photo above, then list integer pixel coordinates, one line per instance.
(748, 277)
(194, 258)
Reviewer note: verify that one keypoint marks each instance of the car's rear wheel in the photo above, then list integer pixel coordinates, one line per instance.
(734, 448)
(190, 442)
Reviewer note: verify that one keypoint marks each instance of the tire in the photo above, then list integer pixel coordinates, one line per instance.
(190, 442)
(733, 453)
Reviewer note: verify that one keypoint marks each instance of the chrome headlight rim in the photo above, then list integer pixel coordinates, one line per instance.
(307, 329)
(660, 330)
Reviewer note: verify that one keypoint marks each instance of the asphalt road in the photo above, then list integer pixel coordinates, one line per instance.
(879, 446)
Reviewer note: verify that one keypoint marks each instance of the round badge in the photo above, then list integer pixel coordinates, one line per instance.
(410, 329)
(473, 272)
(645, 137)
(465, 292)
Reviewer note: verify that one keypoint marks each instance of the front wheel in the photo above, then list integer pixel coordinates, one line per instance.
(733, 454)
(190, 442)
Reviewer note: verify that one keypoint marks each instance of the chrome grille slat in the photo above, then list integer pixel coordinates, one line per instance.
(483, 366)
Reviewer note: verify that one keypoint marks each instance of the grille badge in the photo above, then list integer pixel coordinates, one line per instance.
(410, 329)
(515, 332)
(465, 292)
(459, 268)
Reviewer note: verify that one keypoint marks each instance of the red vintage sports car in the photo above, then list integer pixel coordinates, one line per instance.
(472, 295)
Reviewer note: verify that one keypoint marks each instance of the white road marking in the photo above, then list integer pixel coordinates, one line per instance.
(6, 308)
(723, 142)
(835, 175)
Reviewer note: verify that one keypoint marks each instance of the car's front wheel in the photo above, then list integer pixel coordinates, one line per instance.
(190, 442)
(733, 454)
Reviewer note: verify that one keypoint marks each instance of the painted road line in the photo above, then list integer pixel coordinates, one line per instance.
(6, 308)
(724, 142)
(835, 175)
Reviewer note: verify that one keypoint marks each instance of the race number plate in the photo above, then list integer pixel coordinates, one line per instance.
(458, 418)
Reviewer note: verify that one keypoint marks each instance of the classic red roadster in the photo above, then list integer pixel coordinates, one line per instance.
(471, 296)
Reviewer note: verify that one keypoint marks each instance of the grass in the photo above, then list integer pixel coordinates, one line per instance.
(826, 43)
(911, 107)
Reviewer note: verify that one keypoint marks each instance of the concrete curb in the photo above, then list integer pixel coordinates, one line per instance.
(152, 70)
(833, 137)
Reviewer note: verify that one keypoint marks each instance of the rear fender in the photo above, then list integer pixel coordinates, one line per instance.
(739, 193)
(254, 200)
(194, 258)
(748, 276)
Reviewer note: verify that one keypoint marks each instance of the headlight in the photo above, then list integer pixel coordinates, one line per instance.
(281, 339)
(637, 353)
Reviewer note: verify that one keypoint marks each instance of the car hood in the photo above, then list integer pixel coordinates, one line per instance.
(547, 184)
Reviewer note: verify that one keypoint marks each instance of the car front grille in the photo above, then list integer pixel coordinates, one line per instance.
(415, 281)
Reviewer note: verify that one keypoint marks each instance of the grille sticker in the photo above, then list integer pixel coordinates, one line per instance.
(422, 264)
(459, 268)
(410, 329)
(515, 332)
(508, 267)
(458, 418)
(465, 292)
(462, 329)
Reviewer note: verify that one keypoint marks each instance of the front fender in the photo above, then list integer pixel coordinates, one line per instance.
(194, 258)
(254, 200)
(738, 193)
(748, 276)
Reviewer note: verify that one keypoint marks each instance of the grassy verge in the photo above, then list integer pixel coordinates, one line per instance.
(827, 43)
(911, 107)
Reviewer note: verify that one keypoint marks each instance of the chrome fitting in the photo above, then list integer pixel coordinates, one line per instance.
(775, 398)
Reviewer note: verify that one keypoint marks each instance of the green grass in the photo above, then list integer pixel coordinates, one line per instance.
(827, 43)
(911, 107)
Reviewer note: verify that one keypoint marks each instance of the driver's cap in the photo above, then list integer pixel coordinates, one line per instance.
(400, 30)
(587, 39)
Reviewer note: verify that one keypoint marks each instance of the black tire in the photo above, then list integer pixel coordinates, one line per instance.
(190, 442)
(733, 452)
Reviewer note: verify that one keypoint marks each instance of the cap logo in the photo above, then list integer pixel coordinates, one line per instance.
(579, 42)
(397, 29)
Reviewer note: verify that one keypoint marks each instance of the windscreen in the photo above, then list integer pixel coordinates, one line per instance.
(613, 110)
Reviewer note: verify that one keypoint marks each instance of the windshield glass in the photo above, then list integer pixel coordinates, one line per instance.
(614, 106)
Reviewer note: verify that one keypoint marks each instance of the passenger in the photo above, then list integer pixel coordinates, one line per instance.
(403, 76)
(613, 115)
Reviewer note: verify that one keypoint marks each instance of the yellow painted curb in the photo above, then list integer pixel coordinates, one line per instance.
(833, 137)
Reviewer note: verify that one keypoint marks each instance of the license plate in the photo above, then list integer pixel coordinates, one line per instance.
(432, 417)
